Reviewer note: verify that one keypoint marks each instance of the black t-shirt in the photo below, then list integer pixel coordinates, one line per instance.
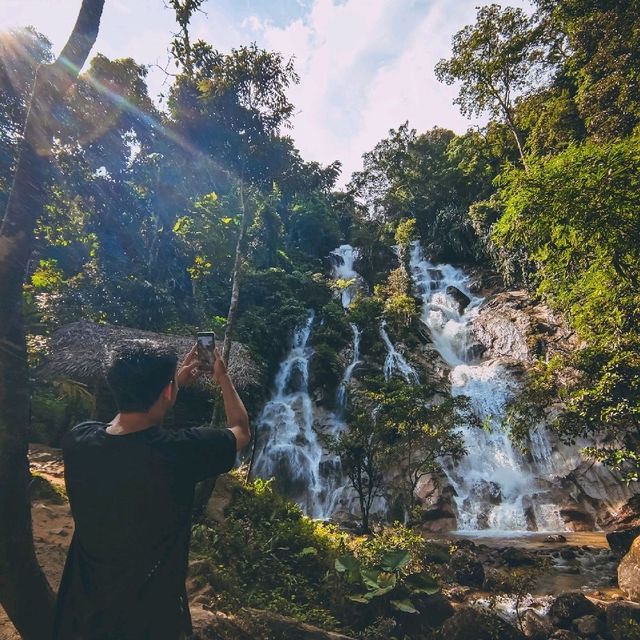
(131, 498)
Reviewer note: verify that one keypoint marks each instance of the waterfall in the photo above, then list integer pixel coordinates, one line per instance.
(395, 361)
(496, 487)
(344, 257)
(291, 450)
(348, 372)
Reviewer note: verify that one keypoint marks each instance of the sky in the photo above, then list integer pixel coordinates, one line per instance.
(366, 66)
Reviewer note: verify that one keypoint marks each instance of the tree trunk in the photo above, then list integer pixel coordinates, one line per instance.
(24, 591)
(235, 283)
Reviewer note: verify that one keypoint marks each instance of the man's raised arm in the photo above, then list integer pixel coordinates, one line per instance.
(237, 417)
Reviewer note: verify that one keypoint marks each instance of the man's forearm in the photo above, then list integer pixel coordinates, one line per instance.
(233, 406)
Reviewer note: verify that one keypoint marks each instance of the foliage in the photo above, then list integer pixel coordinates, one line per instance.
(494, 60)
(415, 177)
(420, 432)
(267, 554)
(575, 217)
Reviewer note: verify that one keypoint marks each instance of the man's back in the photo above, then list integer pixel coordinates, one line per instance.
(131, 498)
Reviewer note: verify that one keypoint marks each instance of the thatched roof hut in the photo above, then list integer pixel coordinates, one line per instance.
(79, 350)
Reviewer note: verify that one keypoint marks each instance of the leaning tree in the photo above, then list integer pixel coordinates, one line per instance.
(24, 591)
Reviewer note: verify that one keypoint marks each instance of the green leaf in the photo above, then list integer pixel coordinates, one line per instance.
(422, 583)
(309, 551)
(370, 578)
(395, 560)
(404, 605)
(346, 563)
(360, 599)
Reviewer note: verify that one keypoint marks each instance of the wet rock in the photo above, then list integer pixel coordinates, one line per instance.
(487, 491)
(461, 299)
(620, 541)
(477, 624)
(588, 626)
(493, 580)
(534, 626)
(629, 572)
(433, 611)
(578, 519)
(511, 324)
(623, 621)
(436, 498)
(556, 538)
(515, 557)
(568, 554)
(458, 594)
(564, 634)
(466, 569)
(569, 606)
(436, 552)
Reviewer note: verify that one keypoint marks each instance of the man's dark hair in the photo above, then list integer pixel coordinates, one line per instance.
(137, 371)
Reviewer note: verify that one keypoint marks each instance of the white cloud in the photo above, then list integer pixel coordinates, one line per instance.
(367, 66)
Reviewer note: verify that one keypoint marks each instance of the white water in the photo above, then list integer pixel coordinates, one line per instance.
(496, 487)
(344, 258)
(348, 372)
(395, 361)
(291, 451)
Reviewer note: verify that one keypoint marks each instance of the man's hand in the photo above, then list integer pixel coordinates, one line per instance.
(188, 370)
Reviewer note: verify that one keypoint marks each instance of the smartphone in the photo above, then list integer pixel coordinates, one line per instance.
(206, 345)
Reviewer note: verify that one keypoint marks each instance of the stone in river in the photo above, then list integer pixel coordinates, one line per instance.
(462, 299)
(623, 621)
(629, 572)
(571, 605)
(555, 538)
(477, 624)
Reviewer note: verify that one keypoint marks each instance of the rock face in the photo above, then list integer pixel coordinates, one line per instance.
(623, 526)
(623, 621)
(569, 606)
(462, 299)
(475, 624)
(467, 569)
(512, 325)
(629, 572)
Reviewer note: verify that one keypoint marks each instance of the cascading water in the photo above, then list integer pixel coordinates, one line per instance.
(348, 372)
(496, 488)
(345, 256)
(395, 361)
(291, 451)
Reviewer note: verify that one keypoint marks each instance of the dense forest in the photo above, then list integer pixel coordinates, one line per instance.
(156, 208)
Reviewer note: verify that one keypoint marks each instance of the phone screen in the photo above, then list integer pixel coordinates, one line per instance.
(206, 344)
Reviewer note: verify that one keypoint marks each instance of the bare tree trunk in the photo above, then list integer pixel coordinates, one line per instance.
(24, 591)
(235, 283)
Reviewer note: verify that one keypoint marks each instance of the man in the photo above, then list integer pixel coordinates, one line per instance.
(130, 485)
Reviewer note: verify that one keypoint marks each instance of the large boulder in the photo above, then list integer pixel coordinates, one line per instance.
(466, 569)
(623, 526)
(460, 298)
(623, 621)
(535, 626)
(629, 572)
(569, 606)
(511, 324)
(478, 624)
